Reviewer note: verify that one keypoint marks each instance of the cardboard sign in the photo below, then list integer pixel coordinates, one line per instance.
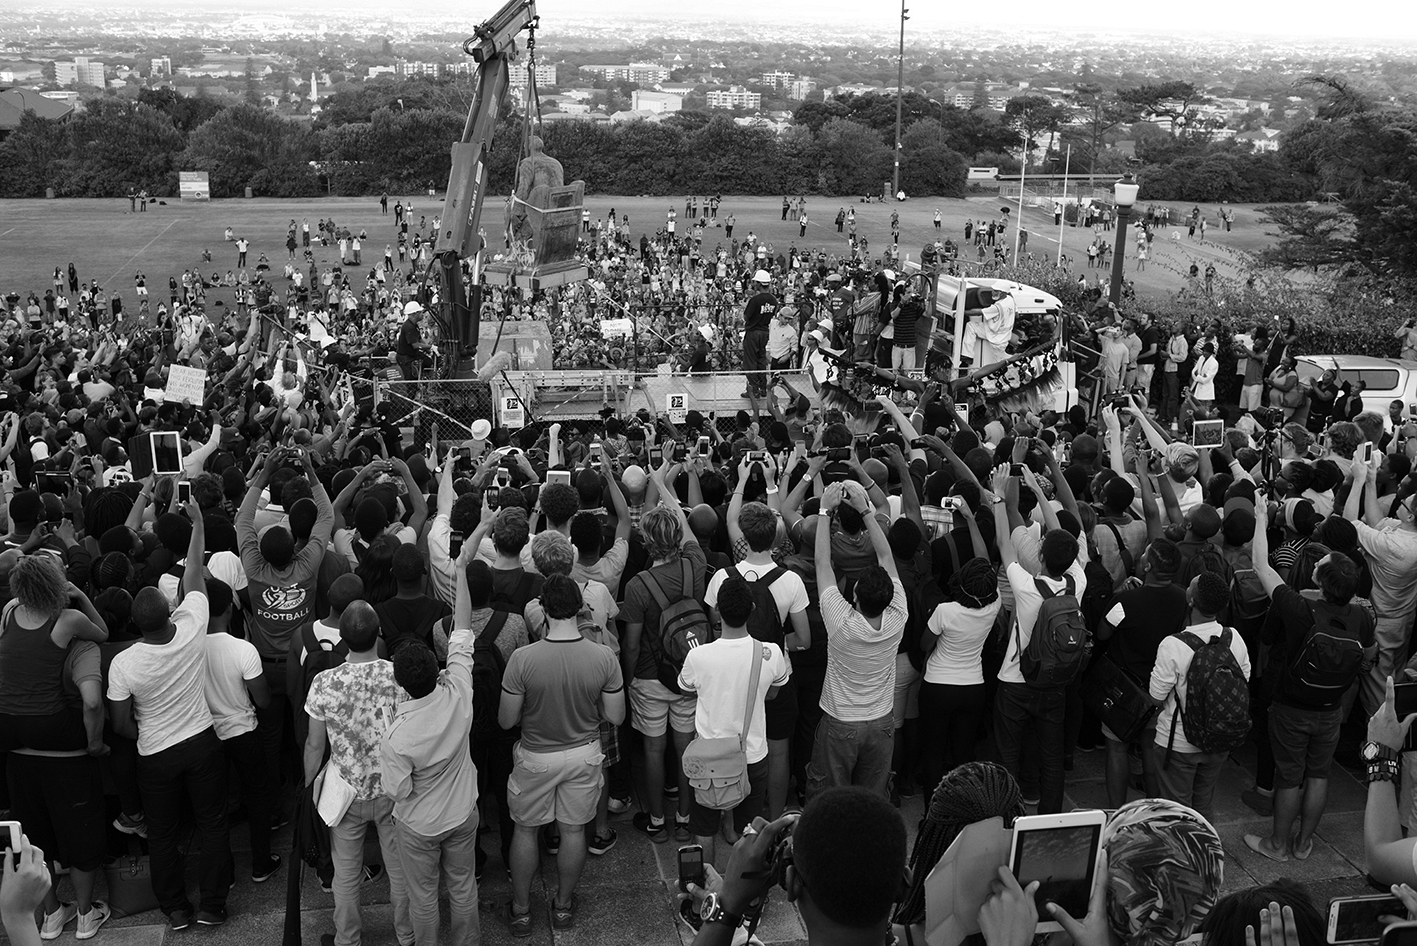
(510, 411)
(616, 328)
(677, 407)
(184, 381)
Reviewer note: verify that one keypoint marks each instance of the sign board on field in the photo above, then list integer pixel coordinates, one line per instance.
(194, 185)
(676, 405)
(982, 174)
(616, 328)
(510, 411)
(185, 382)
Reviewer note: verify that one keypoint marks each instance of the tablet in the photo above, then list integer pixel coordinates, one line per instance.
(1207, 433)
(166, 449)
(1060, 851)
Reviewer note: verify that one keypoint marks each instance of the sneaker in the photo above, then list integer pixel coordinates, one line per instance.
(1262, 802)
(518, 923)
(658, 831)
(260, 873)
(179, 919)
(618, 806)
(601, 844)
(1031, 801)
(134, 825)
(279, 820)
(90, 922)
(552, 839)
(563, 918)
(211, 917)
(54, 923)
(682, 834)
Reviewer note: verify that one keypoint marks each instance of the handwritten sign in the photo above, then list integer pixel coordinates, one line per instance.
(186, 382)
(677, 407)
(616, 328)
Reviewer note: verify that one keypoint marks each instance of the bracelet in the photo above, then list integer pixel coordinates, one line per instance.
(772, 490)
(1383, 770)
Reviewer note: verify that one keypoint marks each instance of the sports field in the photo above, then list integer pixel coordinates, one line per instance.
(107, 242)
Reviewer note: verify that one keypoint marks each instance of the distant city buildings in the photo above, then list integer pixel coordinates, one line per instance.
(645, 73)
(160, 66)
(656, 102)
(734, 97)
(79, 71)
(545, 76)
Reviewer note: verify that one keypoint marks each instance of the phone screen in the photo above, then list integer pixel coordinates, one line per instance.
(691, 866)
(184, 491)
(167, 453)
(703, 446)
(1356, 920)
(1062, 860)
(492, 494)
(655, 455)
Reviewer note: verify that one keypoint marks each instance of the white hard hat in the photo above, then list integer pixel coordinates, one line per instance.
(762, 276)
(888, 273)
(411, 307)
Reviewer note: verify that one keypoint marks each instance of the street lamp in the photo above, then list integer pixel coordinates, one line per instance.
(1125, 193)
(899, 93)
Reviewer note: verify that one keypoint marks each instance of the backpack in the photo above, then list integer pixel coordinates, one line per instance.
(516, 604)
(1249, 602)
(1059, 645)
(1206, 559)
(1217, 708)
(765, 623)
(683, 625)
(1329, 658)
(488, 666)
(319, 657)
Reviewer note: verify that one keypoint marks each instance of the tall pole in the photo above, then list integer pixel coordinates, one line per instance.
(899, 100)
(1022, 178)
(1067, 164)
(1115, 294)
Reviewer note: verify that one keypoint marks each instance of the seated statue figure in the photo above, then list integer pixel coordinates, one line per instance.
(537, 174)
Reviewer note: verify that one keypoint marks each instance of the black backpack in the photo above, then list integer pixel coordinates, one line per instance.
(764, 624)
(1059, 646)
(1328, 659)
(1217, 707)
(683, 624)
(488, 667)
(319, 657)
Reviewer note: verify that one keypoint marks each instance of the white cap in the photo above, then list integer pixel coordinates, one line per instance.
(762, 276)
(706, 331)
(888, 273)
(411, 307)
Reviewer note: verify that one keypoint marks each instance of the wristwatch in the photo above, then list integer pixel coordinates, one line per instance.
(1376, 751)
(712, 911)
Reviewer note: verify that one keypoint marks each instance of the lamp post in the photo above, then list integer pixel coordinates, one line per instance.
(899, 93)
(1125, 193)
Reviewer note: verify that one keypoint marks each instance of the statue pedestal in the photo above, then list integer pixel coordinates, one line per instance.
(501, 273)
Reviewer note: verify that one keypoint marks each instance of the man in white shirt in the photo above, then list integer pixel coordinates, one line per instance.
(1189, 775)
(156, 695)
(856, 735)
(235, 686)
(1391, 548)
(1019, 703)
(718, 673)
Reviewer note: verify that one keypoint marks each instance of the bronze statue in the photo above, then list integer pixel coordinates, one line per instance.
(537, 175)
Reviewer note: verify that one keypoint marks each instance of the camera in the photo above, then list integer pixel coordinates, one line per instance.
(1269, 418)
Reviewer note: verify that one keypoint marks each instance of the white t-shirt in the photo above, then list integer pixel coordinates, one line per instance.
(788, 591)
(166, 681)
(956, 659)
(343, 540)
(1027, 601)
(230, 663)
(223, 565)
(1168, 679)
(719, 674)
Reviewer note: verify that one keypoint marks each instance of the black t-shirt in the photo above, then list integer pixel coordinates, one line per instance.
(409, 338)
(410, 617)
(1148, 615)
(757, 314)
(1150, 339)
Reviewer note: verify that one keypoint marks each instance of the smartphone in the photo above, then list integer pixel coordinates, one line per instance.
(501, 479)
(691, 866)
(1060, 851)
(1015, 469)
(184, 491)
(1400, 934)
(862, 443)
(758, 456)
(558, 476)
(10, 835)
(492, 495)
(1412, 408)
(656, 455)
(1355, 919)
(703, 449)
(166, 449)
(681, 452)
(1366, 452)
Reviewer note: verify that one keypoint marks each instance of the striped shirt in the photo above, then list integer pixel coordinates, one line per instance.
(860, 679)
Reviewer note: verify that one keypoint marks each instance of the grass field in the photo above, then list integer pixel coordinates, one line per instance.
(107, 242)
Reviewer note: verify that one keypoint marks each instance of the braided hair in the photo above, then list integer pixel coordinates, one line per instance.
(974, 791)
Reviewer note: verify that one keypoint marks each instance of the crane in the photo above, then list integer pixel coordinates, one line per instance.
(546, 259)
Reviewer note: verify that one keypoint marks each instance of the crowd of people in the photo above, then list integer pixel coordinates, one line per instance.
(789, 619)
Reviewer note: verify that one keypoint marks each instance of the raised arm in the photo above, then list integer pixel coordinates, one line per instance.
(1045, 508)
(822, 542)
(1061, 487)
(195, 571)
(884, 557)
(416, 499)
(1002, 529)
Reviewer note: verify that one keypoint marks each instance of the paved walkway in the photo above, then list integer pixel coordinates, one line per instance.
(627, 896)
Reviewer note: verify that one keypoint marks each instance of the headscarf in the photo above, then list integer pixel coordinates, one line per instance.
(1166, 865)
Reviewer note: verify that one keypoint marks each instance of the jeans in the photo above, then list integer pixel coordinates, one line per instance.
(852, 753)
(1170, 407)
(493, 760)
(454, 851)
(1016, 706)
(1391, 633)
(246, 754)
(197, 766)
(1190, 778)
(755, 361)
(810, 679)
(949, 727)
(272, 722)
(347, 852)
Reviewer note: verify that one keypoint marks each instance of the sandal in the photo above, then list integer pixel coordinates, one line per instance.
(1256, 843)
(1301, 854)
(563, 918)
(520, 925)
